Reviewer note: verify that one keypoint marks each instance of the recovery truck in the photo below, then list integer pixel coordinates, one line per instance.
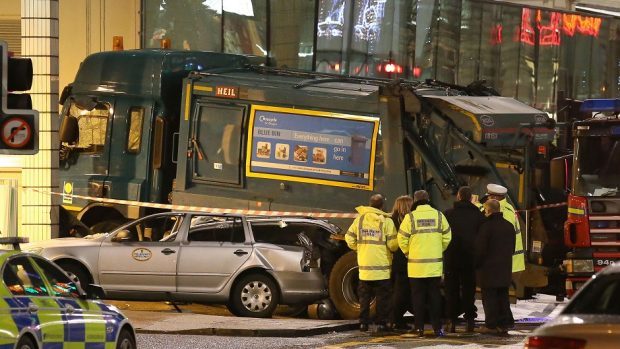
(592, 230)
(259, 138)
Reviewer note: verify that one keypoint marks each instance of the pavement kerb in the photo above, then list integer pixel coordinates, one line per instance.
(245, 332)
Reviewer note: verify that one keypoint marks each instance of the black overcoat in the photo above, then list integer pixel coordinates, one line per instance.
(495, 244)
(465, 220)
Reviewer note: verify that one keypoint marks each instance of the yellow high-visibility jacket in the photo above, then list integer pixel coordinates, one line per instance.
(518, 257)
(423, 236)
(373, 236)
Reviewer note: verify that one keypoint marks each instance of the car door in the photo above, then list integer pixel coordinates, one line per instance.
(142, 256)
(86, 321)
(32, 303)
(216, 247)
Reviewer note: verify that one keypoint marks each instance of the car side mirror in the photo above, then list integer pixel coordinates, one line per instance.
(94, 292)
(122, 236)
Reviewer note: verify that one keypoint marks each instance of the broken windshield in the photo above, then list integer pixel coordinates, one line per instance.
(597, 166)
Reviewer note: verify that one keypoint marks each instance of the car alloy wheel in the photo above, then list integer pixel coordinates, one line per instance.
(256, 296)
(125, 340)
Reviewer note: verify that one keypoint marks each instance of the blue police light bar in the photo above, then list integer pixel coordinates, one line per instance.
(600, 105)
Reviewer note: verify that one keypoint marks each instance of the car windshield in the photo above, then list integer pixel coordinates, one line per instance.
(600, 297)
(596, 166)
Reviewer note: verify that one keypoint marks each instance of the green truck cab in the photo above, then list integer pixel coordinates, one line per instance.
(118, 120)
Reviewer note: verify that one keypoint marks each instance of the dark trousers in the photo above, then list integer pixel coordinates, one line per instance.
(401, 297)
(496, 307)
(426, 291)
(381, 290)
(460, 292)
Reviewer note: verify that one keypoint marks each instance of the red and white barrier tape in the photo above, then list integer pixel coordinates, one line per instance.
(542, 207)
(239, 211)
(206, 209)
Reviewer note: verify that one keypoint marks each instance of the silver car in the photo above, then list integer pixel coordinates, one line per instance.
(590, 320)
(198, 258)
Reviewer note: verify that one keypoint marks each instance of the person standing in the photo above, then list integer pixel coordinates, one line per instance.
(401, 298)
(423, 236)
(498, 192)
(373, 236)
(494, 247)
(460, 278)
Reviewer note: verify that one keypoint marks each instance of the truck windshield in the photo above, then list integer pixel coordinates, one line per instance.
(92, 127)
(596, 166)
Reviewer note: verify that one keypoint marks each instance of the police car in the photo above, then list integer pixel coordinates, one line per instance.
(41, 307)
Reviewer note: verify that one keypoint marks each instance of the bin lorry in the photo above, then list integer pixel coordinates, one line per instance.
(214, 130)
(592, 230)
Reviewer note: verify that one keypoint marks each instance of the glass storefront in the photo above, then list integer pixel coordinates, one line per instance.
(532, 54)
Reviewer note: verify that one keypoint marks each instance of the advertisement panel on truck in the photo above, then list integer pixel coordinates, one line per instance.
(312, 146)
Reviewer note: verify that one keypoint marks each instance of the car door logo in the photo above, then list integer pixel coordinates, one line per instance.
(141, 254)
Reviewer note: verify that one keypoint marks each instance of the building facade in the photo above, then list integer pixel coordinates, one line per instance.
(531, 53)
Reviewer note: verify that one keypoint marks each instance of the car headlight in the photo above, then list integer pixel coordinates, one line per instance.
(579, 265)
(35, 250)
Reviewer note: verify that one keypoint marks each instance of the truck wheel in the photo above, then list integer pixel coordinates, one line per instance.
(254, 295)
(343, 281)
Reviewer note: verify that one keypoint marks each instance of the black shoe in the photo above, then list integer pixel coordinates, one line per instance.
(470, 325)
(502, 331)
(400, 328)
(363, 327)
(488, 330)
(416, 333)
(450, 326)
(381, 330)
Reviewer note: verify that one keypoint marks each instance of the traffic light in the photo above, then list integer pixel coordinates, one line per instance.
(19, 124)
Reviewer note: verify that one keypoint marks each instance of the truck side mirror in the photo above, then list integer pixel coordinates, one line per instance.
(559, 173)
(69, 130)
(85, 102)
(65, 94)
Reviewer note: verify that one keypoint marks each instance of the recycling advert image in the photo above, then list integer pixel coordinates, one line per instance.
(312, 147)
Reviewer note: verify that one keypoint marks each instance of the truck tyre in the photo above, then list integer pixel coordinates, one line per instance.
(343, 281)
(254, 295)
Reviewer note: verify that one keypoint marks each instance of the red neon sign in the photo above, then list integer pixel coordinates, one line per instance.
(549, 31)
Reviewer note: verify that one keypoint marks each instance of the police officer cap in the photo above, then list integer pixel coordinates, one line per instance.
(496, 189)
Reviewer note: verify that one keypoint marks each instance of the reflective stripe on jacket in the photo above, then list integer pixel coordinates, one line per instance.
(373, 236)
(423, 236)
(518, 257)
